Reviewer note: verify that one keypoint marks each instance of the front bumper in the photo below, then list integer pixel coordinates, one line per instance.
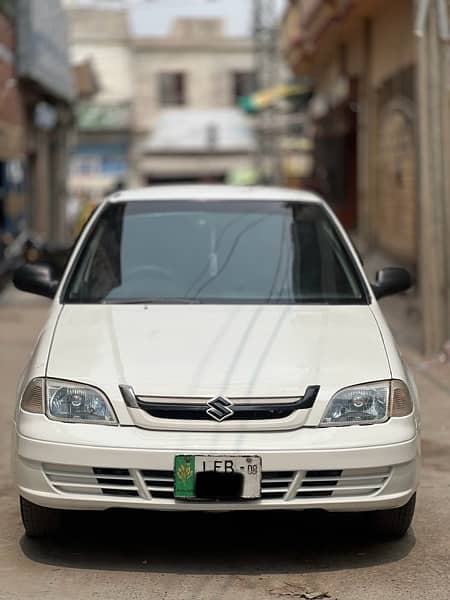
(95, 468)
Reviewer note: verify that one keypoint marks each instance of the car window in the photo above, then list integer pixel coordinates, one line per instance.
(236, 251)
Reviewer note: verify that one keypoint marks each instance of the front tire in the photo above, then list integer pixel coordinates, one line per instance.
(39, 521)
(393, 523)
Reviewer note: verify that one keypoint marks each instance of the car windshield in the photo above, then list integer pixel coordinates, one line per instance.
(259, 252)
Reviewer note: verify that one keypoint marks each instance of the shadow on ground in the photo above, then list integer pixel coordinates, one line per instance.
(199, 543)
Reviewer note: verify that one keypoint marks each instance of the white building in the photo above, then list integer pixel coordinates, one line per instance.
(102, 37)
(101, 158)
(193, 65)
(191, 145)
(193, 70)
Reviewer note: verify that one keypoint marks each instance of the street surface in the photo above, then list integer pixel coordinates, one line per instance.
(140, 555)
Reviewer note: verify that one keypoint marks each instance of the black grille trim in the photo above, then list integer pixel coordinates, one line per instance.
(319, 479)
(242, 412)
(110, 477)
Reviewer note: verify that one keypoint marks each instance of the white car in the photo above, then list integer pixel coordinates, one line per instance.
(217, 349)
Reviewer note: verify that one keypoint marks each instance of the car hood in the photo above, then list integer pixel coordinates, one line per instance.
(200, 350)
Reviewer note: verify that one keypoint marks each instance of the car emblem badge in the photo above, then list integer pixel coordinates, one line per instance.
(220, 408)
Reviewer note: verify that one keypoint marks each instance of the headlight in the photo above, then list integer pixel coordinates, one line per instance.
(77, 403)
(367, 404)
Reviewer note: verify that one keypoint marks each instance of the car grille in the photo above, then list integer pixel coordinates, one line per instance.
(159, 485)
(95, 481)
(275, 484)
(337, 483)
(196, 409)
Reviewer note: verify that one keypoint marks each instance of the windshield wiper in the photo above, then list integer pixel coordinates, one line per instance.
(150, 301)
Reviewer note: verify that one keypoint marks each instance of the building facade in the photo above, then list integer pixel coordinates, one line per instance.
(369, 117)
(194, 69)
(100, 42)
(12, 205)
(101, 36)
(46, 87)
(362, 58)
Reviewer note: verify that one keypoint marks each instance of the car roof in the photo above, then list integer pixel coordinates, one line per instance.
(215, 192)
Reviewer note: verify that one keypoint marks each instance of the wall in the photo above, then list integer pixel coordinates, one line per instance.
(372, 45)
(355, 57)
(12, 206)
(11, 118)
(393, 210)
(42, 49)
(97, 25)
(103, 37)
(209, 80)
(47, 89)
(393, 40)
(401, 187)
(112, 66)
(101, 158)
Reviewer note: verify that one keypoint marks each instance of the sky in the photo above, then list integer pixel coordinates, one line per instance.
(153, 17)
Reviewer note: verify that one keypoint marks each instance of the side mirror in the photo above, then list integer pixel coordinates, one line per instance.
(56, 257)
(36, 279)
(391, 280)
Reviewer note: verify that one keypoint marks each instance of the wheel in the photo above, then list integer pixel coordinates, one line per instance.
(393, 523)
(39, 521)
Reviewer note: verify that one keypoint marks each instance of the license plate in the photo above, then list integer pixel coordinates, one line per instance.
(217, 477)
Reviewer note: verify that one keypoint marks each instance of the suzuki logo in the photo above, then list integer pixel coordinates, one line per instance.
(220, 408)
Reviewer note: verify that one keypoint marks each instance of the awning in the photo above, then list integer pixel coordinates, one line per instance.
(208, 131)
(192, 166)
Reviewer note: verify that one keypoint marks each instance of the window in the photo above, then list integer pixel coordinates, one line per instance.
(244, 84)
(172, 89)
(219, 252)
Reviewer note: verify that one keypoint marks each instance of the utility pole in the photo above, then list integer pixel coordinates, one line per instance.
(265, 35)
(432, 30)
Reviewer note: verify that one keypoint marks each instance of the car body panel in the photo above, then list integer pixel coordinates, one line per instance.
(201, 351)
(243, 351)
(37, 362)
(393, 432)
